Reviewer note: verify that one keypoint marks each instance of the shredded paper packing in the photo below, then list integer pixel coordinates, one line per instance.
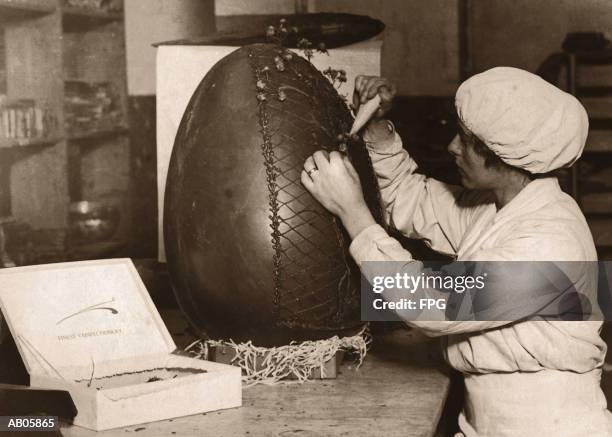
(262, 365)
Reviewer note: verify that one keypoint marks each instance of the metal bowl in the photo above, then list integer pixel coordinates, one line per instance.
(92, 221)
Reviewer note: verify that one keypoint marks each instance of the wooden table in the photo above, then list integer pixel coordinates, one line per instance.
(399, 390)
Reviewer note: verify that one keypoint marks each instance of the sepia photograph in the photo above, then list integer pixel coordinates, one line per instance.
(306, 218)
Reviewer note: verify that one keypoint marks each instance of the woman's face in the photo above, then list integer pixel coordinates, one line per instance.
(475, 175)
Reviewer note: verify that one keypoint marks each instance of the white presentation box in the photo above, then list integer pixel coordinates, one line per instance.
(181, 68)
(92, 329)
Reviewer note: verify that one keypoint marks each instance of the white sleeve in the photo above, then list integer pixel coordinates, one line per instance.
(530, 240)
(417, 206)
(373, 244)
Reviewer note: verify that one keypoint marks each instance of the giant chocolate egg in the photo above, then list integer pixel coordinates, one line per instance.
(251, 254)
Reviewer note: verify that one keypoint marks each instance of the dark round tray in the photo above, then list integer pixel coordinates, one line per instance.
(332, 29)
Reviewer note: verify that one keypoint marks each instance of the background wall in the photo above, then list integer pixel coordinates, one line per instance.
(522, 33)
(259, 7)
(421, 52)
(421, 48)
(151, 21)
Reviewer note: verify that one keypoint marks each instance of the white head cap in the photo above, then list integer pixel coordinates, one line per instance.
(526, 121)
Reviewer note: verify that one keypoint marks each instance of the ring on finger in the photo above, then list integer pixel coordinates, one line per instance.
(311, 171)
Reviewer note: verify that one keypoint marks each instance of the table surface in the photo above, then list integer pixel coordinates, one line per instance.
(399, 390)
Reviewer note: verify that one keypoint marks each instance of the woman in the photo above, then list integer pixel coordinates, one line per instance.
(534, 378)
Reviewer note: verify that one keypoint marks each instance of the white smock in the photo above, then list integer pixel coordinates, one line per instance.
(535, 378)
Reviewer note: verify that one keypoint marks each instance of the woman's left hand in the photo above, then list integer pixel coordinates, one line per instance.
(334, 182)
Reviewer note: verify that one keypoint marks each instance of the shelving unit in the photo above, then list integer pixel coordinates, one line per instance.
(82, 20)
(29, 142)
(15, 10)
(99, 134)
(47, 43)
(589, 78)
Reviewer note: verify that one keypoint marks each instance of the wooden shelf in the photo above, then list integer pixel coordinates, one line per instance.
(599, 141)
(593, 57)
(81, 19)
(597, 204)
(598, 215)
(601, 229)
(46, 41)
(594, 91)
(16, 10)
(98, 134)
(595, 96)
(600, 123)
(6, 143)
(604, 253)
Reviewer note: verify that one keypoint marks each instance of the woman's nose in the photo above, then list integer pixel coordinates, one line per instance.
(454, 148)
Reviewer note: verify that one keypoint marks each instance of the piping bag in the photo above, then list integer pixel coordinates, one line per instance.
(364, 113)
(361, 160)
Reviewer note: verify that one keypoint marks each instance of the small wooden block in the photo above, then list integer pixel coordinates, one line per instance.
(22, 400)
(226, 353)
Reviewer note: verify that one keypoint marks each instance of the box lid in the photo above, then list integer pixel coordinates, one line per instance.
(78, 313)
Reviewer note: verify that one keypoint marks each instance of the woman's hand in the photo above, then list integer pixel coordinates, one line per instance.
(334, 182)
(366, 87)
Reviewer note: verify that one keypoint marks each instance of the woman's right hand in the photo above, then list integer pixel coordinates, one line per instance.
(366, 87)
